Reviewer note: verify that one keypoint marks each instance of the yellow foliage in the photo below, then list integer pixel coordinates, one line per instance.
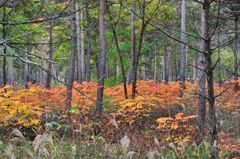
(26, 107)
(135, 109)
(183, 125)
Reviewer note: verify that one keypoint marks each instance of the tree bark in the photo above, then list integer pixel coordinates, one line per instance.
(133, 39)
(201, 76)
(195, 66)
(165, 62)
(50, 54)
(219, 58)
(149, 70)
(173, 68)
(235, 50)
(176, 69)
(144, 71)
(169, 62)
(102, 59)
(113, 27)
(70, 74)
(41, 73)
(82, 46)
(26, 73)
(138, 53)
(155, 65)
(88, 31)
(118, 72)
(79, 65)
(183, 65)
(10, 71)
(4, 32)
(210, 83)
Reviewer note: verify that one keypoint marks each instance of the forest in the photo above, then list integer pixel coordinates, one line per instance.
(119, 79)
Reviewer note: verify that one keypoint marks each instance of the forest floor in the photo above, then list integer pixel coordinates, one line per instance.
(158, 123)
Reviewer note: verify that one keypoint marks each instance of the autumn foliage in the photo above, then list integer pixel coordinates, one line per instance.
(157, 107)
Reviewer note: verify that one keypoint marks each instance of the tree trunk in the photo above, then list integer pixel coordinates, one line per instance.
(113, 27)
(165, 66)
(235, 50)
(57, 72)
(107, 69)
(144, 71)
(41, 73)
(96, 73)
(118, 72)
(50, 54)
(4, 32)
(176, 69)
(201, 76)
(169, 62)
(149, 70)
(183, 65)
(88, 31)
(173, 68)
(210, 83)
(219, 58)
(1, 77)
(195, 66)
(82, 47)
(133, 38)
(26, 73)
(102, 59)
(10, 72)
(79, 65)
(155, 65)
(70, 74)
(137, 55)
(165, 61)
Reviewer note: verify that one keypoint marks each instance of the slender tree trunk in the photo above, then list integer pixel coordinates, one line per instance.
(134, 53)
(155, 65)
(235, 49)
(113, 27)
(135, 65)
(169, 62)
(129, 74)
(70, 74)
(26, 73)
(79, 65)
(96, 68)
(88, 31)
(118, 72)
(7, 62)
(82, 47)
(201, 76)
(10, 72)
(210, 84)
(183, 66)
(102, 59)
(165, 64)
(173, 68)
(1, 78)
(219, 58)
(50, 54)
(4, 68)
(41, 73)
(149, 70)
(195, 66)
(144, 71)
(4, 32)
(107, 69)
(138, 54)
(57, 72)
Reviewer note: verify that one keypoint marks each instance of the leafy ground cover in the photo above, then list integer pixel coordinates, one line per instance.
(159, 122)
